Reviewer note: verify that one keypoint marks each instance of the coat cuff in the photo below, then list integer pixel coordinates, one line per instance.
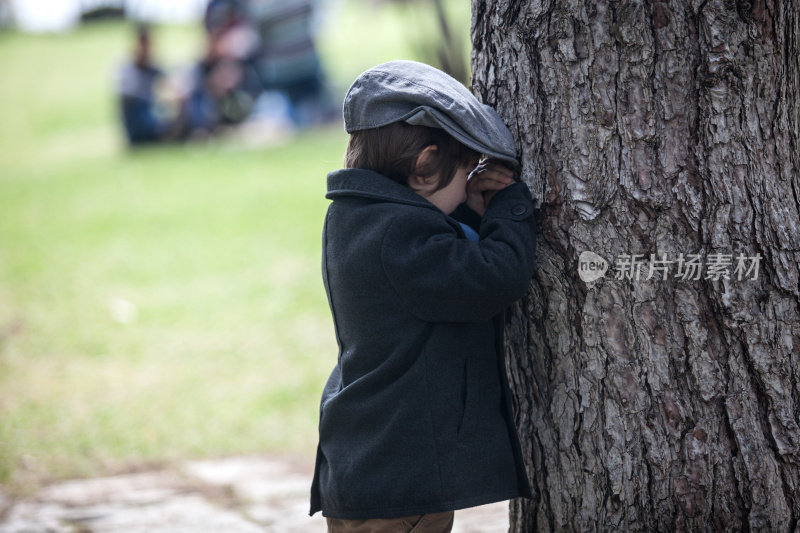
(514, 202)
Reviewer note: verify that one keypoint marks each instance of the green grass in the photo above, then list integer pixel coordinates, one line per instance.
(167, 303)
(219, 253)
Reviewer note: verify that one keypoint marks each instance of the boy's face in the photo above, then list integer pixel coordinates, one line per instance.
(454, 194)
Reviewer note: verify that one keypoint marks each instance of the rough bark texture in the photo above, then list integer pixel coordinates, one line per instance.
(655, 127)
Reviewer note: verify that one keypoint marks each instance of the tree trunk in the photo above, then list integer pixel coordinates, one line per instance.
(649, 399)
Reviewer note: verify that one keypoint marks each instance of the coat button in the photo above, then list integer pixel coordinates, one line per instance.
(518, 210)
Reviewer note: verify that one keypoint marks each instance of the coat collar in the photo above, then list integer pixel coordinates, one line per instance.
(368, 184)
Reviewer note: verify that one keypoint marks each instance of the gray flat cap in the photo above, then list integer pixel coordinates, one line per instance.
(422, 95)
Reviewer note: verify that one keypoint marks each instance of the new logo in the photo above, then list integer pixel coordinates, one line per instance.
(591, 266)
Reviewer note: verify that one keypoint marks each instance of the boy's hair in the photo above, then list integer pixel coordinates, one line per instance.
(392, 151)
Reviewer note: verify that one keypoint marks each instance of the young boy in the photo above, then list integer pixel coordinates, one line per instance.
(415, 419)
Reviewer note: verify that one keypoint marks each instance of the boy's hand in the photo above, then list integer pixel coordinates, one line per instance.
(488, 177)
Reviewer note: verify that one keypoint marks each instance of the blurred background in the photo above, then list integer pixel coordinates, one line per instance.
(162, 181)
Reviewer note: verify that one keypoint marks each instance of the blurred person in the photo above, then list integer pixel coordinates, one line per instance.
(286, 59)
(142, 116)
(222, 86)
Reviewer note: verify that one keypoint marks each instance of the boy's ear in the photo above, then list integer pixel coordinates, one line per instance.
(424, 159)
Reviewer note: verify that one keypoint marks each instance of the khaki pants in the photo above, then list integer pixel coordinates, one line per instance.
(421, 523)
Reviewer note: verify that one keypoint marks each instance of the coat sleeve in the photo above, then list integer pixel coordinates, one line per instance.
(442, 278)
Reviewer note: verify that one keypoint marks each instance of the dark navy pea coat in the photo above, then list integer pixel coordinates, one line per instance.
(416, 416)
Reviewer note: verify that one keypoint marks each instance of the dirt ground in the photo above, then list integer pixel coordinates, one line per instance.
(232, 495)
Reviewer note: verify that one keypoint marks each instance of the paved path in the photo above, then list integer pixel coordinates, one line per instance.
(234, 495)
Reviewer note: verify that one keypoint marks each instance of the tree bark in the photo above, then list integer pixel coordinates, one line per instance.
(666, 128)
